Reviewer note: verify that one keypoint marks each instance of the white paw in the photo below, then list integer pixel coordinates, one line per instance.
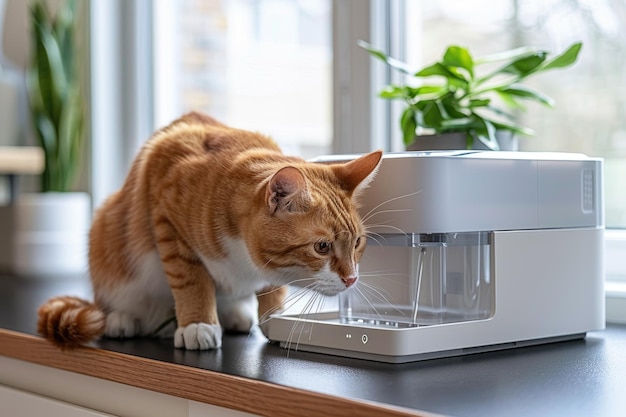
(198, 336)
(238, 315)
(120, 325)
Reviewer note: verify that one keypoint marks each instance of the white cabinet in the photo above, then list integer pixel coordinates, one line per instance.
(31, 390)
(17, 403)
(197, 409)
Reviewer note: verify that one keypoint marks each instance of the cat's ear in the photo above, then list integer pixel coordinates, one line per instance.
(357, 174)
(286, 190)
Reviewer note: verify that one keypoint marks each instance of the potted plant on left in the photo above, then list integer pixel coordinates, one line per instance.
(52, 226)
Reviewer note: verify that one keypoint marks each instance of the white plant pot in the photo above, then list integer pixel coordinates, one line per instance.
(51, 234)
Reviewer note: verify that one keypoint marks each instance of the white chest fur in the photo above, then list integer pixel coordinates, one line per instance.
(236, 275)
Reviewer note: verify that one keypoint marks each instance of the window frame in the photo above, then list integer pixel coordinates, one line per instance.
(121, 89)
(615, 275)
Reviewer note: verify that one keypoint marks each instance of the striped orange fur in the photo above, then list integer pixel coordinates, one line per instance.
(68, 321)
(208, 218)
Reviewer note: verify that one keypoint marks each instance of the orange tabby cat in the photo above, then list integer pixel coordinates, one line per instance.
(210, 216)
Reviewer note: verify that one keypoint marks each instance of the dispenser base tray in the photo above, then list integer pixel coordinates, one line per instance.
(386, 341)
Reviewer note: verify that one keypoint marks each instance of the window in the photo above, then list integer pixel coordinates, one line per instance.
(264, 65)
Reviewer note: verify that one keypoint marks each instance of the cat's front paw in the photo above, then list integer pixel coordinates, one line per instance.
(198, 336)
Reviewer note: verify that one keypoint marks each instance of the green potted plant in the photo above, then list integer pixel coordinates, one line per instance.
(468, 95)
(52, 226)
(56, 99)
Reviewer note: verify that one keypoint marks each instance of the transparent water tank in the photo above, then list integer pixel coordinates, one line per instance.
(409, 280)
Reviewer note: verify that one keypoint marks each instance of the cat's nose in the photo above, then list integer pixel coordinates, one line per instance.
(349, 281)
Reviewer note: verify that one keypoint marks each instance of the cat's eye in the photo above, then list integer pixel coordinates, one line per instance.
(322, 247)
(358, 242)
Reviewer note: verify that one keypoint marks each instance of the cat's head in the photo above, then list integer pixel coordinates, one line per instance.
(309, 228)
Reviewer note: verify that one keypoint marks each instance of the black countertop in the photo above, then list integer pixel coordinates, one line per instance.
(577, 378)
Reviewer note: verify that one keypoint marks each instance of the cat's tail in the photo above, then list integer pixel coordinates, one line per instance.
(69, 322)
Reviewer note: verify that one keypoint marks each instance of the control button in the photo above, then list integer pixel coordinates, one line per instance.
(364, 339)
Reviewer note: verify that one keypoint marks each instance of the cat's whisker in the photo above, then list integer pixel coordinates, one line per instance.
(313, 305)
(261, 272)
(320, 307)
(307, 311)
(294, 298)
(382, 272)
(381, 298)
(389, 277)
(371, 236)
(394, 228)
(387, 211)
(300, 280)
(290, 301)
(301, 320)
(373, 212)
(381, 295)
(289, 283)
(368, 302)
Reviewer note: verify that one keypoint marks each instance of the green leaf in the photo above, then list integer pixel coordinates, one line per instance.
(461, 125)
(496, 110)
(393, 92)
(433, 116)
(408, 125)
(479, 102)
(46, 134)
(456, 56)
(35, 99)
(373, 51)
(393, 62)
(427, 93)
(438, 69)
(513, 54)
(566, 59)
(510, 101)
(453, 107)
(525, 65)
(430, 89)
(513, 127)
(72, 124)
(52, 80)
(487, 134)
(39, 72)
(528, 93)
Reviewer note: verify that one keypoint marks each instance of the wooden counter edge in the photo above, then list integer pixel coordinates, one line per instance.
(239, 393)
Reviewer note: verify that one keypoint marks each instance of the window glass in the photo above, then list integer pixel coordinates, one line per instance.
(590, 111)
(264, 65)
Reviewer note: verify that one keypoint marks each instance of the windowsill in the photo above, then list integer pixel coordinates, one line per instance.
(615, 302)
(615, 285)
